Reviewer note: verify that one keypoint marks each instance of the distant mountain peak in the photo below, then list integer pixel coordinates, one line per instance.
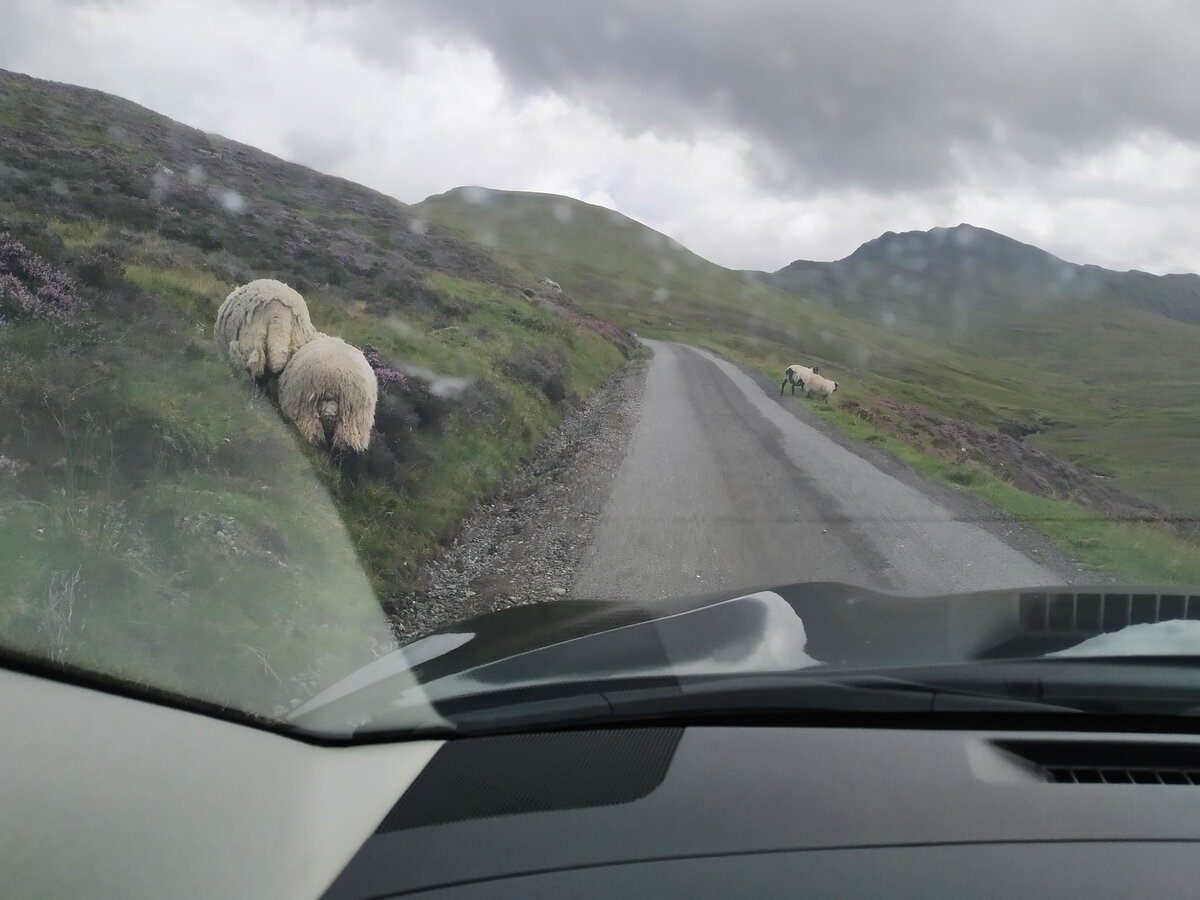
(950, 246)
(926, 276)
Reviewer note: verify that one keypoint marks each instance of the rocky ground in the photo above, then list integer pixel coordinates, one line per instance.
(1008, 456)
(523, 546)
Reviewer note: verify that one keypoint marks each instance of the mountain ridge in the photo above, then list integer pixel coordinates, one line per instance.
(919, 276)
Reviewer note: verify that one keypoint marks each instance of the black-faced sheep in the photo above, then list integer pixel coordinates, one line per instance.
(260, 325)
(329, 390)
(819, 386)
(796, 374)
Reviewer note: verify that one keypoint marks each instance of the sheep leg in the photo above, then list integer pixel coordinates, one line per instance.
(262, 385)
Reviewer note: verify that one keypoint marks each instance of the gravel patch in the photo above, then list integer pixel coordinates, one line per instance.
(524, 545)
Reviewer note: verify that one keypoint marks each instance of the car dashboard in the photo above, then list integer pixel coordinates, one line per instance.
(109, 795)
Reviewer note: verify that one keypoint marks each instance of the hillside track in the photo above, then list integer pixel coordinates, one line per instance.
(725, 485)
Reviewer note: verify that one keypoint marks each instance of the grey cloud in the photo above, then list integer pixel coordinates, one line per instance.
(880, 95)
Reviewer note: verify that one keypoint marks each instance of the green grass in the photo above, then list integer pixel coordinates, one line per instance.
(192, 293)
(163, 524)
(499, 420)
(1128, 551)
(156, 517)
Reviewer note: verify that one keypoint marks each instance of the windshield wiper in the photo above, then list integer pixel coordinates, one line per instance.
(1101, 687)
(1138, 686)
(739, 697)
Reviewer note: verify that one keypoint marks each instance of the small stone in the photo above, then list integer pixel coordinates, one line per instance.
(558, 592)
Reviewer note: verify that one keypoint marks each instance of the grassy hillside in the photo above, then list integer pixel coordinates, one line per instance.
(981, 334)
(148, 497)
(617, 266)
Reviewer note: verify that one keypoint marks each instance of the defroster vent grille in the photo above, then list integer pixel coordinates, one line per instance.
(1094, 612)
(1103, 762)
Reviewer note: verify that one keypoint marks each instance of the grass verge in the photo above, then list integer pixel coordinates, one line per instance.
(1129, 551)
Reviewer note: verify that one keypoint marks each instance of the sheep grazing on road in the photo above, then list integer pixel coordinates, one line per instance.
(329, 390)
(796, 375)
(819, 386)
(260, 325)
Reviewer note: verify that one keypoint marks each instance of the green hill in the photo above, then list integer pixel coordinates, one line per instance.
(156, 484)
(617, 266)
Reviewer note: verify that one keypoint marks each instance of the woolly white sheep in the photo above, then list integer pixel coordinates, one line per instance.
(328, 390)
(796, 374)
(819, 386)
(260, 325)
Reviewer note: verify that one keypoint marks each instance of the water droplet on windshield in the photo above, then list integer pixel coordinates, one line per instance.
(476, 196)
(232, 202)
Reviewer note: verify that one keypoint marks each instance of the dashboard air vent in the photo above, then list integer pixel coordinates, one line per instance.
(1095, 612)
(1101, 762)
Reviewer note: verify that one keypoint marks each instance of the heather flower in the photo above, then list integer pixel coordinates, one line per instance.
(385, 373)
(31, 288)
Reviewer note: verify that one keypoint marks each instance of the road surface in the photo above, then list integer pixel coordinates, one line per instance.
(723, 485)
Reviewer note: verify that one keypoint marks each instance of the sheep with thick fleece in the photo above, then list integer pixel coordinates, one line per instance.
(329, 390)
(260, 325)
(819, 386)
(796, 374)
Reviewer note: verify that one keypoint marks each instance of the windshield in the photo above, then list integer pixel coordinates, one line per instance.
(328, 329)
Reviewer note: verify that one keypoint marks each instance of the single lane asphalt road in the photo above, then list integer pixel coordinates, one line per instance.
(724, 485)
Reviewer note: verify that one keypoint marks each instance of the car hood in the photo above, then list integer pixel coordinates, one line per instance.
(779, 629)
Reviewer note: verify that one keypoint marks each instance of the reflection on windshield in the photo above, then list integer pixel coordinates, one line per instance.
(161, 523)
(771, 639)
(232, 582)
(1173, 638)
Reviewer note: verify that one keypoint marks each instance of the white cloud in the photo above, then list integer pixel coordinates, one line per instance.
(425, 111)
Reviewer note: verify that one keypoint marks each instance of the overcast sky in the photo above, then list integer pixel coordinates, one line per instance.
(755, 132)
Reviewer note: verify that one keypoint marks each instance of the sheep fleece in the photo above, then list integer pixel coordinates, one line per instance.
(260, 325)
(327, 373)
(795, 375)
(819, 386)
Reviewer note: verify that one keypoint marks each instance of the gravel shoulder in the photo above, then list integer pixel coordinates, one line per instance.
(524, 546)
